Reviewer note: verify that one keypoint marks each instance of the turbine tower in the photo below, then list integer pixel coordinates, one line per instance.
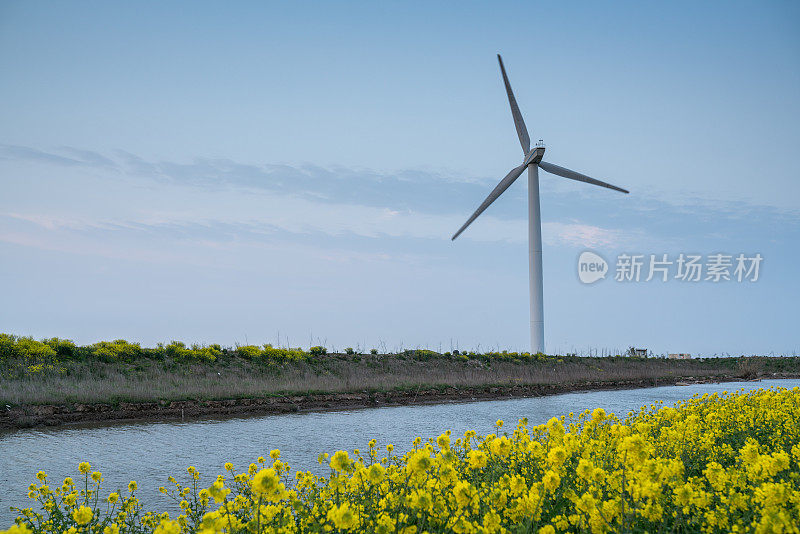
(532, 161)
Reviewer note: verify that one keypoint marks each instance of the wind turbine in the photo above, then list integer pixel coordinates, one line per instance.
(532, 161)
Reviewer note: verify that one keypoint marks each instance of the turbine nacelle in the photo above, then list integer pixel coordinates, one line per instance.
(535, 155)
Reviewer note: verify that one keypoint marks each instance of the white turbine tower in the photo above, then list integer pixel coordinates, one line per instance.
(532, 161)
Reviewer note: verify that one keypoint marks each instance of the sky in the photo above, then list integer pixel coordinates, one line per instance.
(291, 173)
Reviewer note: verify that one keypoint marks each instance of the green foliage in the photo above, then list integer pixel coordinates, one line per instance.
(250, 352)
(15, 347)
(117, 350)
(317, 351)
(270, 354)
(177, 350)
(284, 355)
(22, 356)
(65, 348)
(421, 354)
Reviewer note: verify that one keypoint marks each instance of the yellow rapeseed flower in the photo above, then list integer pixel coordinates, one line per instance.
(557, 456)
(599, 415)
(82, 515)
(463, 493)
(340, 461)
(265, 481)
(551, 481)
(477, 459)
(343, 516)
(500, 446)
(376, 473)
(419, 461)
(584, 469)
(167, 527)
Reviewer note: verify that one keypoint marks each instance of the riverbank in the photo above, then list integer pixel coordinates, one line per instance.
(26, 416)
(52, 382)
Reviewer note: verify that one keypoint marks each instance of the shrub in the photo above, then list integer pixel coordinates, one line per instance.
(283, 355)
(251, 352)
(177, 350)
(23, 356)
(65, 348)
(421, 354)
(317, 351)
(27, 348)
(112, 351)
(210, 353)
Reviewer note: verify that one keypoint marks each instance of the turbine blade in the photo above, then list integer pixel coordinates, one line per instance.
(522, 131)
(572, 175)
(498, 190)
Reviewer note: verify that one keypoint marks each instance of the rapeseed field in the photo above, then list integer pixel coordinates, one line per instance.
(714, 463)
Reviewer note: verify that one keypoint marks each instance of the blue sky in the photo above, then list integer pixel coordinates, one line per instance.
(217, 172)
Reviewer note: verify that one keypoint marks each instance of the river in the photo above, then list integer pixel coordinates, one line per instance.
(149, 452)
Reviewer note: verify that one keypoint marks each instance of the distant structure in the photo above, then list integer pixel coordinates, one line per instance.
(532, 162)
(636, 353)
(679, 356)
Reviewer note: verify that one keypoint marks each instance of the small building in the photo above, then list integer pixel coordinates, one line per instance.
(679, 356)
(638, 353)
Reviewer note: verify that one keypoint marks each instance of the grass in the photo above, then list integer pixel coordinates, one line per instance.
(57, 371)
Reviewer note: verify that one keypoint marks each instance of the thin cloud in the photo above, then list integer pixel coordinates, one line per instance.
(417, 190)
(232, 200)
(89, 157)
(23, 153)
(410, 189)
(590, 236)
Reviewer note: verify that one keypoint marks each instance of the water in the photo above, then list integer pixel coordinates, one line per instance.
(150, 452)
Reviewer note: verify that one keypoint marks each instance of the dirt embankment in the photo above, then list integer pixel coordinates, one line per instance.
(26, 416)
